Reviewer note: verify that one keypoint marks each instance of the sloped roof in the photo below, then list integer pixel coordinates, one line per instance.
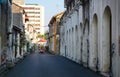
(57, 16)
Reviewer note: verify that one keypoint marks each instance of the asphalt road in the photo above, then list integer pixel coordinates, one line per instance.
(46, 65)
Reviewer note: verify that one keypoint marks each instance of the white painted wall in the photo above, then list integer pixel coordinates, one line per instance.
(97, 7)
(85, 45)
(98, 38)
(10, 26)
(80, 41)
(118, 38)
(93, 54)
(73, 49)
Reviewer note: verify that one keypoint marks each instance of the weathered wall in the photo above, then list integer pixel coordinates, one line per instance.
(70, 45)
(3, 31)
(98, 43)
(118, 38)
(17, 20)
(104, 50)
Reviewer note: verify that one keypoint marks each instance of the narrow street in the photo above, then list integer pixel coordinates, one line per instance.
(47, 65)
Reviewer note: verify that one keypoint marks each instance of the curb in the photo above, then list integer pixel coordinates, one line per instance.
(3, 70)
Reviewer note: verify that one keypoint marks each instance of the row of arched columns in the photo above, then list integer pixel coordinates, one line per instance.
(80, 42)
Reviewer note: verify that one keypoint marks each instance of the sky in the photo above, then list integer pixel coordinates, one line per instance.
(51, 7)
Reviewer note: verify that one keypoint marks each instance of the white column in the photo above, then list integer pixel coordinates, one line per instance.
(77, 45)
(69, 38)
(76, 36)
(13, 53)
(9, 50)
(9, 24)
(22, 51)
(61, 41)
(18, 45)
(74, 40)
(85, 48)
(93, 58)
(80, 41)
(72, 44)
(68, 44)
(72, 36)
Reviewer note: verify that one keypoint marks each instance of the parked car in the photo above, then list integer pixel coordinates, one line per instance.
(41, 51)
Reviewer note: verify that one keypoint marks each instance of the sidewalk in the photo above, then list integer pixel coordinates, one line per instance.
(4, 69)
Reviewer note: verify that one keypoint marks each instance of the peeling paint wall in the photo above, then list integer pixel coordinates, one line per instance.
(4, 27)
(72, 39)
(118, 30)
(106, 55)
(93, 55)
(98, 45)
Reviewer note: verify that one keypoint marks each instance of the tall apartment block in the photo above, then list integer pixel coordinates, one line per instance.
(20, 2)
(35, 14)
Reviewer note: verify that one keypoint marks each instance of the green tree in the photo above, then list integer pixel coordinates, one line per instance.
(41, 36)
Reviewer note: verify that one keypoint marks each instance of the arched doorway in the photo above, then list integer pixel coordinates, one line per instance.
(94, 43)
(106, 40)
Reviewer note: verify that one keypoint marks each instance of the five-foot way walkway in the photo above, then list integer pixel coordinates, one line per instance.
(46, 65)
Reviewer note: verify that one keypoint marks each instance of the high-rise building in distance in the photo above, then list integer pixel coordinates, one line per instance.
(35, 14)
(20, 2)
